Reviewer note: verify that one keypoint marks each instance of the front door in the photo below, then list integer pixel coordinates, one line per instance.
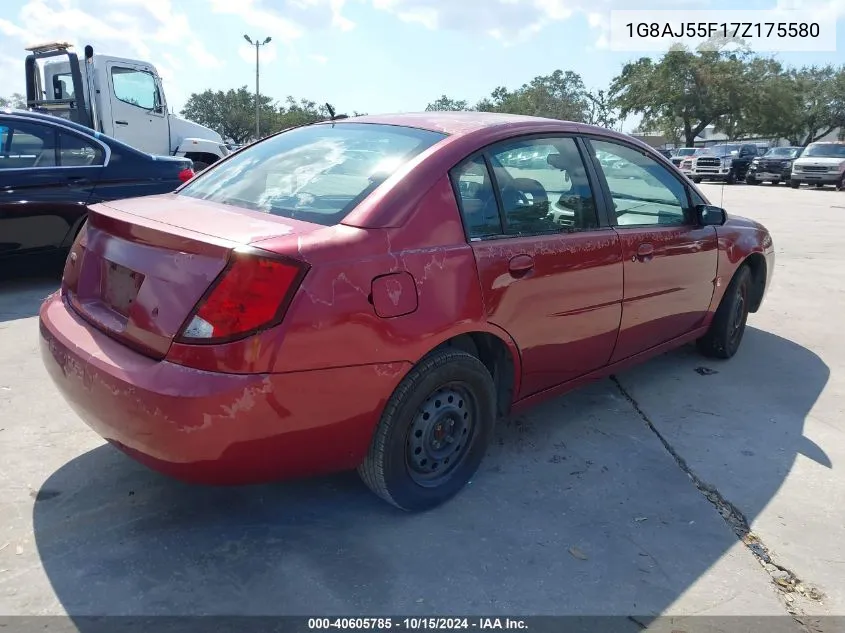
(137, 112)
(551, 274)
(669, 261)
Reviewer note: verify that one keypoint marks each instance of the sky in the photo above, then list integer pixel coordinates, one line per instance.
(372, 56)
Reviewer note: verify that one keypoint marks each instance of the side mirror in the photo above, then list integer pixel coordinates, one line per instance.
(708, 215)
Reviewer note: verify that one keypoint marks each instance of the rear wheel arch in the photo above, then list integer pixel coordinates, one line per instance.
(496, 355)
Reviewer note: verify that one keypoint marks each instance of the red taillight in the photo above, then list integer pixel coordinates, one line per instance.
(251, 293)
(185, 175)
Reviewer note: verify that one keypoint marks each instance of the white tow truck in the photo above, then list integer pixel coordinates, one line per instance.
(122, 98)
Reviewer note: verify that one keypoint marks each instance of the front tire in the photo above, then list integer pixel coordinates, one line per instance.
(696, 179)
(794, 184)
(433, 432)
(751, 180)
(725, 334)
(731, 178)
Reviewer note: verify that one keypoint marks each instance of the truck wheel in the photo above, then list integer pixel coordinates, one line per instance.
(731, 178)
(794, 184)
(751, 180)
(433, 432)
(775, 183)
(696, 179)
(725, 334)
(840, 186)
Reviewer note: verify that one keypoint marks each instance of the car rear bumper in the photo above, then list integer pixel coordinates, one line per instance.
(209, 427)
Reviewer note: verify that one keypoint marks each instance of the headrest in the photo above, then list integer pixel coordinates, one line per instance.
(558, 161)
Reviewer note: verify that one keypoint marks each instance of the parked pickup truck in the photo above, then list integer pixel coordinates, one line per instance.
(122, 98)
(727, 162)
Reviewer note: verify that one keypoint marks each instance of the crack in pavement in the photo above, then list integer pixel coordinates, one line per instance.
(786, 581)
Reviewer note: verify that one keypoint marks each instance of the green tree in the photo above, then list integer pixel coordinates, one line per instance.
(231, 113)
(16, 100)
(600, 109)
(561, 95)
(446, 104)
(693, 89)
(820, 96)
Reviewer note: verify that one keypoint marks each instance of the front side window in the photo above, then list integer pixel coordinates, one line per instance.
(317, 173)
(643, 191)
(27, 145)
(135, 87)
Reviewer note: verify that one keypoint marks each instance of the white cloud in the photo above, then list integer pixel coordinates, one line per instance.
(512, 21)
(320, 59)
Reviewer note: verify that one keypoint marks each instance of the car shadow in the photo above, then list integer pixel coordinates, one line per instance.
(578, 509)
(22, 291)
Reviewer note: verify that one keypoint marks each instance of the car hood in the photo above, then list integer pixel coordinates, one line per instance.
(182, 128)
(819, 161)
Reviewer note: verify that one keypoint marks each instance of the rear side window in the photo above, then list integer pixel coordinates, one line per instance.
(75, 151)
(317, 173)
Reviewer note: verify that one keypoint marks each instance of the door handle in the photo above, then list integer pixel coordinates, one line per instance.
(121, 122)
(77, 180)
(645, 252)
(521, 264)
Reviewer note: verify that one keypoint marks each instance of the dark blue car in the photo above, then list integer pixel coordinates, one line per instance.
(51, 169)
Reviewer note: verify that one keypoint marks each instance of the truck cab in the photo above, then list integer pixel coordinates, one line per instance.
(122, 98)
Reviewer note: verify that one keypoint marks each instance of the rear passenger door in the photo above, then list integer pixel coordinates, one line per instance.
(670, 261)
(550, 266)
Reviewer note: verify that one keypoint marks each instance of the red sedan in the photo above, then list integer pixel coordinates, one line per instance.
(376, 293)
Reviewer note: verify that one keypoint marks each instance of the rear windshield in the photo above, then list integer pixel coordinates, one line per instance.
(317, 173)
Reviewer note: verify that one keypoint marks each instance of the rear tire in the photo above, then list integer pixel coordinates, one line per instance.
(433, 432)
(725, 334)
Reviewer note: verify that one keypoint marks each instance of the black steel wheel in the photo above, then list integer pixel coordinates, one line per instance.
(440, 434)
(725, 334)
(433, 432)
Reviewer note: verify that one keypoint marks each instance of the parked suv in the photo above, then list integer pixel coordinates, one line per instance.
(820, 164)
(728, 163)
(775, 166)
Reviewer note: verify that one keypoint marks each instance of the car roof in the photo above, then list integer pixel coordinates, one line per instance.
(48, 118)
(459, 123)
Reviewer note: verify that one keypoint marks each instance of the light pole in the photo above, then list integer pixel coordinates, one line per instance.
(257, 44)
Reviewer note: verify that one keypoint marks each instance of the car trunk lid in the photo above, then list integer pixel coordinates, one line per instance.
(140, 266)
